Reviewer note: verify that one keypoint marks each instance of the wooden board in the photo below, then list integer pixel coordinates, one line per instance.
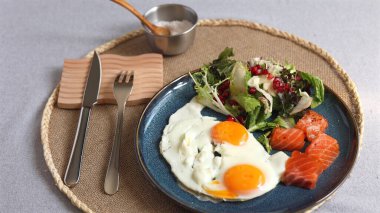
(146, 67)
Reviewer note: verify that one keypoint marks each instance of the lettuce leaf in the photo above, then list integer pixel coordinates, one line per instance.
(249, 103)
(207, 94)
(285, 122)
(227, 52)
(264, 140)
(319, 90)
(221, 67)
(238, 85)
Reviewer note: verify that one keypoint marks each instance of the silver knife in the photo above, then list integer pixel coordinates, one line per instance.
(90, 97)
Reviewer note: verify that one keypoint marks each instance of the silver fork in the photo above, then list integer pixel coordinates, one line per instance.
(122, 89)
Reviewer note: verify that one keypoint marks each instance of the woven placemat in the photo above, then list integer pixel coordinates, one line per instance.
(136, 194)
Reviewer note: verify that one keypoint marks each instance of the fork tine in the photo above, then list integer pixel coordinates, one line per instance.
(129, 75)
(119, 77)
(132, 74)
(124, 77)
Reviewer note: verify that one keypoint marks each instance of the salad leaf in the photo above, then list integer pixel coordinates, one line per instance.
(252, 117)
(285, 122)
(227, 52)
(238, 85)
(264, 140)
(304, 103)
(207, 94)
(210, 77)
(249, 103)
(222, 67)
(234, 110)
(319, 89)
(290, 67)
(262, 126)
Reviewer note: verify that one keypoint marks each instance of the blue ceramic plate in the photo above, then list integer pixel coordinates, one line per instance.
(282, 198)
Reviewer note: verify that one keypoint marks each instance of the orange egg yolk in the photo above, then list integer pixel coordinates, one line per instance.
(224, 194)
(242, 179)
(230, 132)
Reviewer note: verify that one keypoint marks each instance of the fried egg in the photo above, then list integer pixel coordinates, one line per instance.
(219, 159)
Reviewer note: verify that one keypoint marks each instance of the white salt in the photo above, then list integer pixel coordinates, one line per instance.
(175, 27)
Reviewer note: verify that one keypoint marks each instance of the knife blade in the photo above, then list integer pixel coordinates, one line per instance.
(90, 97)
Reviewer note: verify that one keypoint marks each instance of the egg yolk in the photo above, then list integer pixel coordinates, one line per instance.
(242, 179)
(230, 132)
(224, 194)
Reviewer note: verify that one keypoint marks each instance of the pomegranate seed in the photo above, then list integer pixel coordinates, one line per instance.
(286, 87)
(230, 118)
(264, 72)
(252, 90)
(221, 97)
(291, 89)
(225, 85)
(276, 83)
(281, 88)
(270, 76)
(298, 78)
(255, 70)
(241, 119)
(277, 79)
(225, 94)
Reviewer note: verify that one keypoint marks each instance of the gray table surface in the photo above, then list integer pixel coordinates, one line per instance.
(36, 35)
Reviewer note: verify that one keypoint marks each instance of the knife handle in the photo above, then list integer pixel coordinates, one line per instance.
(73, 167)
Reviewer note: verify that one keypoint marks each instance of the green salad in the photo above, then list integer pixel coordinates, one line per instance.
(260, 94)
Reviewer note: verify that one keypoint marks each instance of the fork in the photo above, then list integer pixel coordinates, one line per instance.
(122, 89)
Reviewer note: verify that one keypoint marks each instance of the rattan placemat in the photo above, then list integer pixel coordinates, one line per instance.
(136, 194)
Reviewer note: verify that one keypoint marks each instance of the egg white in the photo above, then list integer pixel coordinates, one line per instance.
(187, 146)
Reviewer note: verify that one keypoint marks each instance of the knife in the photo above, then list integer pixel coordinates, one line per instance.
(90, 97)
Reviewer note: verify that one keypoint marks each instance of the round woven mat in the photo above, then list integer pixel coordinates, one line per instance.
(136, 194)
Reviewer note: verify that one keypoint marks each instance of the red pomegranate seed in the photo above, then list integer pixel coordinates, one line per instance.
(225, 85)
(226, 93)
(277, 79)
(252, 90)
(264, 72)
(298, 78)
(291, 89)
(255, 70)
(281, 88)
(276, 83)
(222, 99)
(230, 118)
(286, 87)
(270, 76)
(241, 119)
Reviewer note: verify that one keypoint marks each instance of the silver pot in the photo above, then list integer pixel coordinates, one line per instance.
(174, 44)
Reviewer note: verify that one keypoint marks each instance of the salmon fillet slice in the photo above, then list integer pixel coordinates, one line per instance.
(287, 139)
(325, 148)
(302, 170)
(312, 124)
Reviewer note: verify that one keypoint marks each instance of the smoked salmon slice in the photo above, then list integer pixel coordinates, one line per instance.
(325, 148)
(287, 139)
(302, 170)
(312, 124)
